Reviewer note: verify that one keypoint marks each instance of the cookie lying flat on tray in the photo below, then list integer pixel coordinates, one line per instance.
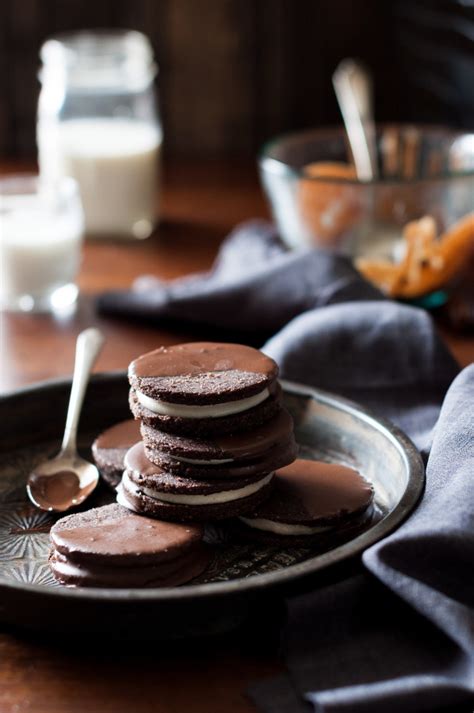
(146, 488)
(311, 499)
(110, 447)
(203, 387)
(261, 449)
(112, 547)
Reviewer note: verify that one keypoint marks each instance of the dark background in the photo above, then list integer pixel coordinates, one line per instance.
(235, 72)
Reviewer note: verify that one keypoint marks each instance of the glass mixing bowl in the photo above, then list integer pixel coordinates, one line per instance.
(423, 170)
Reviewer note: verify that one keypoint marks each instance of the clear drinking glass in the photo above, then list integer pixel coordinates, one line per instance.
(98, 122)
(423, 170)
(41, 231)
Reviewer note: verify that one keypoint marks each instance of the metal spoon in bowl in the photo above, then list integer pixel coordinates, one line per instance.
(353, 87)
(67, 480)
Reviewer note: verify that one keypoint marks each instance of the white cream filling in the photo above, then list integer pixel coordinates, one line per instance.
(164, 408)
(194, 461)
(122, 499)
(282, 528)
(211, 499)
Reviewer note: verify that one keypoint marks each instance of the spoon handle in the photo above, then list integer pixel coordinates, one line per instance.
(353, 87)
(88, 345)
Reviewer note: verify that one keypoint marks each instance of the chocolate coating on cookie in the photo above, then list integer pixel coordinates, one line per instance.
(312, 493)
(110, 447)
(112, 546)
(114, 535)
(201, 373)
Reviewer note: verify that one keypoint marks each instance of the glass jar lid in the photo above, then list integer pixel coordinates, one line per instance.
(99, 59)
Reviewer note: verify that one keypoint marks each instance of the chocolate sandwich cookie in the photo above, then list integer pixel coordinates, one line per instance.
(110, 447)
(276, 458)
(312, 499)
(203, 387)
(146, 488)
(259, 450)
(112, 547)
(207, 427)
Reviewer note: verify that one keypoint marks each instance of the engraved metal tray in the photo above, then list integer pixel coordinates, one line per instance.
(242, 577)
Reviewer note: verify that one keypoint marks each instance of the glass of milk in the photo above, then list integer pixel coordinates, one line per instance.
(98, 123)
(41, 231)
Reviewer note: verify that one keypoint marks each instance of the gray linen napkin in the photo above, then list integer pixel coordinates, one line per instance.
(255, 287)
(405, 640)
(400, 635)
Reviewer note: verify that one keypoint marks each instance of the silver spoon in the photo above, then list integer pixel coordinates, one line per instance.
(353, 87)
(67, 480)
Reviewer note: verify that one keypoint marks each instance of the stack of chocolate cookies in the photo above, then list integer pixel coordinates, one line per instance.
(112, 547)
(213, 432)
(215, 443)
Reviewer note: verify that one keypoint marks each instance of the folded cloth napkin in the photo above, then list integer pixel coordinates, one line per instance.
(407, 644)
(382, 354)
(399, 636)
(255, 287)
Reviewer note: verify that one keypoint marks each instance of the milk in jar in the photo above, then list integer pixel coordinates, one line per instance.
(116, 164)
(98, 123)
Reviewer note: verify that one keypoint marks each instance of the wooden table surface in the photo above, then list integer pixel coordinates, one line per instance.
(202, 202)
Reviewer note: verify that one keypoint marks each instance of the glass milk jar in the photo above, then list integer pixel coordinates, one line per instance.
(98, 123)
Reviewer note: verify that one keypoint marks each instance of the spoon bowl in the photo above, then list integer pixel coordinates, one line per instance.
(65, 481)
(61, 483)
